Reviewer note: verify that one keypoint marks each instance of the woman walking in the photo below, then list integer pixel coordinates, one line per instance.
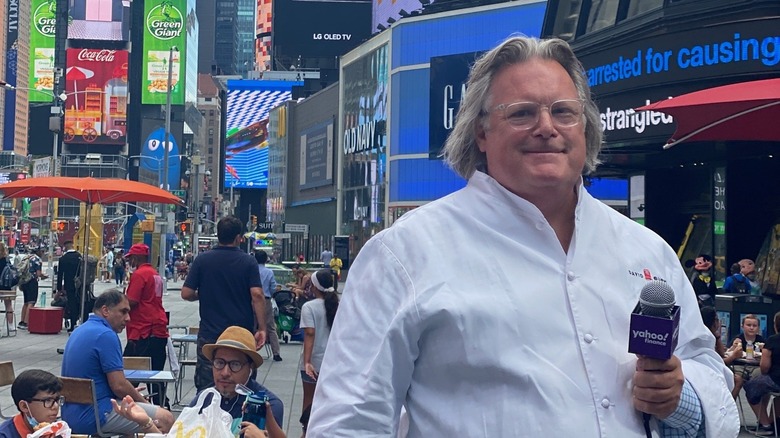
(317, 318)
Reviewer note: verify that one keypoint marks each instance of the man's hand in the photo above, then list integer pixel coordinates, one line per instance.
(657, 386)
(260, 338)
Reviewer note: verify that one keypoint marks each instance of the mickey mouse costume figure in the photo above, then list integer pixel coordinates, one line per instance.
(703, 282)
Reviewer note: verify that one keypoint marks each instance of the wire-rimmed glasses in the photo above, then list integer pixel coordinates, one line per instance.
(521, 116)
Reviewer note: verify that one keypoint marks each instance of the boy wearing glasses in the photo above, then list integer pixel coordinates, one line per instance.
(233, 358)
(36, 394)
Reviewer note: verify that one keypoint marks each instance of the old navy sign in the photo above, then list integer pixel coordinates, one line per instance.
(364, 137)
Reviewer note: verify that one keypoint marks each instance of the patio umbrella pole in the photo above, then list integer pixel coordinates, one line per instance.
(85, 261)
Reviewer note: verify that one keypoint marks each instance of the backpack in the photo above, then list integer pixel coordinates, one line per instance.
(9, 277)
(92, 263)
(22, 265)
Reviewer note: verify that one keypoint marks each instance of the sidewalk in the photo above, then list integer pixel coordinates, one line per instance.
(29, 351)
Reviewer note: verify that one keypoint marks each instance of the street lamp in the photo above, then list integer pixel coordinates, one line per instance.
(198, 173)
(166, 151)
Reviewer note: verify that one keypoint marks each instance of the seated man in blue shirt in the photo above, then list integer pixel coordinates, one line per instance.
(233, 358)
(94, 352)
(36, 395)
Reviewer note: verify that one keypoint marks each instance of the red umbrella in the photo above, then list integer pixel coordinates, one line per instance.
(743, 111)
(90, 191)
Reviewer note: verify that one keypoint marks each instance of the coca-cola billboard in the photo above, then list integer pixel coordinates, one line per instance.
(96, 107)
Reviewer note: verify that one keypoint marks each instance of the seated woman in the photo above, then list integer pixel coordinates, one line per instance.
(757, 389)
(710, 318)
(36, 394)
(750, 335)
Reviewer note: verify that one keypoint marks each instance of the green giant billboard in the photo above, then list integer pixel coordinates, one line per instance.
(164, 28)
(41, 75)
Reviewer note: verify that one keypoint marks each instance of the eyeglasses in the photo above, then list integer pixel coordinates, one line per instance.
(564, 113)
(48, 403)
(235, 365)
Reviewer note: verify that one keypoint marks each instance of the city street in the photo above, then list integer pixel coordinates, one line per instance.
(28, 351)
(283, 378)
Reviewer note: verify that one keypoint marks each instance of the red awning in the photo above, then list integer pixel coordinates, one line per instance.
(747, 111)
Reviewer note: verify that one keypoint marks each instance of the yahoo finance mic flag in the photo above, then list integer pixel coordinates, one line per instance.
(655, 322)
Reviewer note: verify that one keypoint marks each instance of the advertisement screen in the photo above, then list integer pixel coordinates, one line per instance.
(164, 28)
(318, 28)
(11, 54)
(246, 130)
(382, 10)
(99, 20)
(151, 162)
(448, 84)
(364, 141)
(96, 107)
(42, 17)
(263, 33)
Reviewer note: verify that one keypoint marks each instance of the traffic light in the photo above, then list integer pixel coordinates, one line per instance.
(2, 221)
(184, 227)
(254, 221)
(62, 225)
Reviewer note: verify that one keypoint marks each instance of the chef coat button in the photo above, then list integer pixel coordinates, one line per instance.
(570, 276)
(540, 226)
(605, 403)
(588, 338)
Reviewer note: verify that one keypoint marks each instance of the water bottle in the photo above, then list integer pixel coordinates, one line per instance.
(749, 350)
(43, 299)
(254, 409)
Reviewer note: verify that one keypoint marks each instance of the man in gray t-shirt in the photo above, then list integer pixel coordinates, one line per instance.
(326, 257)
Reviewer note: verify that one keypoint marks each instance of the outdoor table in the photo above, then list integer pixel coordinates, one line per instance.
(184, 341)
(151, 377)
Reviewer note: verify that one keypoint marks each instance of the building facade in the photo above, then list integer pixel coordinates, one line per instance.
(701, 197)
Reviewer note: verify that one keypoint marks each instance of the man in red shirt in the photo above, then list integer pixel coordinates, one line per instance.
(147, 331)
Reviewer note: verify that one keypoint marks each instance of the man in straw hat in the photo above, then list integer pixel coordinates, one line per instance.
(233, 358)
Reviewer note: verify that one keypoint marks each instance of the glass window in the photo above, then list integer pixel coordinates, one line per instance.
(211, 141)
(603, 13)
(566, 19)
(637, 7)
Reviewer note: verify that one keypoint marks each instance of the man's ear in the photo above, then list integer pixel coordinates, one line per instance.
(480, 135)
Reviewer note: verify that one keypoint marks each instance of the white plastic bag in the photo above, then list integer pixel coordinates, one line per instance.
(56, 429)
(211, 422)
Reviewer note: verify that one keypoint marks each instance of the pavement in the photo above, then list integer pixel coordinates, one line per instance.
(35, 351)
(29, 351)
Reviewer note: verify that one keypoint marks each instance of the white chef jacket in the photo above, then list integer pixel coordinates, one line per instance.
(516, 338)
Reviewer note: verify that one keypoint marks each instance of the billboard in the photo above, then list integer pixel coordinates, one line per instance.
(382, 10)
(99, 20)
(322, 29)
(96, 107)
(11, 54)
(246, 129)
(317, 156)
(164, 27)
(152, 155)
(448, 85)
(263, 34)
(41, 77)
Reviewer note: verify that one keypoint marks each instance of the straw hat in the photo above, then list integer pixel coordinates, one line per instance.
(237, 338)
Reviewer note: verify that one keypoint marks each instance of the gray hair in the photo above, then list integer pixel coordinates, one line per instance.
(461, 151)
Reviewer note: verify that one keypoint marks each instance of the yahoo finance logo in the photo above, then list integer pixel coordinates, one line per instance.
(650, 337)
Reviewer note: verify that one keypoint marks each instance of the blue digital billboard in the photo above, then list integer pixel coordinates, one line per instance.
(246, 129)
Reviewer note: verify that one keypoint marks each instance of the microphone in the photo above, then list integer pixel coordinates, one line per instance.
(655, 322)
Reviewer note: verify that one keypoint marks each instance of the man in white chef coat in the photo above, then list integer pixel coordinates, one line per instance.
(530, 337)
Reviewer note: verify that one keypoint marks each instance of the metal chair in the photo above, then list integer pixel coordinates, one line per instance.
(184, 362)
(7, 377)
(10, 323)
(82, 392)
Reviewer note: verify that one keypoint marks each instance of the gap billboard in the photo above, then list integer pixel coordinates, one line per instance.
(164, 27)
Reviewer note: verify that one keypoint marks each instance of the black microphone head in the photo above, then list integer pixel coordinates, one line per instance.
(656, 299)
